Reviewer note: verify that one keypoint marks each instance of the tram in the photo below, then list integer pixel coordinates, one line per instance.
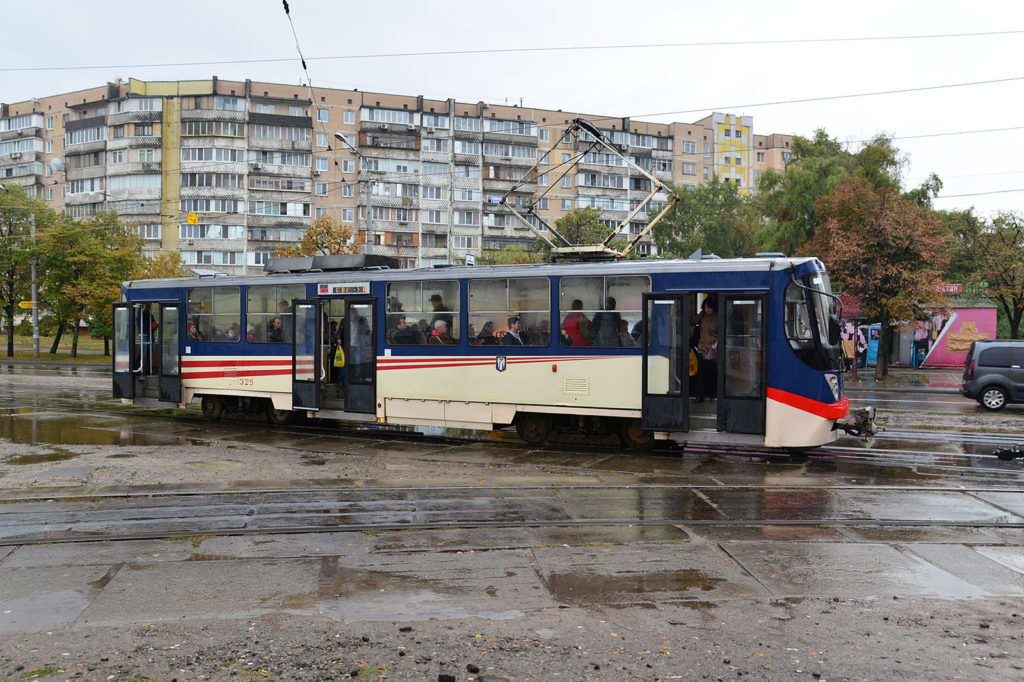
(598, 348)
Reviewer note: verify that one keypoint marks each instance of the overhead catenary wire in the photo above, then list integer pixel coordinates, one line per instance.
(526, 50)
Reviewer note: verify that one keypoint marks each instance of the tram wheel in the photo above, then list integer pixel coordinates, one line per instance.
(633, 436)
(213, 407)
(278, 417)
(533, 427)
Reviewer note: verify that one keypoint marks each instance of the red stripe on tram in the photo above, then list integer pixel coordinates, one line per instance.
(819, 409)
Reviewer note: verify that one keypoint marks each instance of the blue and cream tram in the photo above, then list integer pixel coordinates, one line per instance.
(597, 347)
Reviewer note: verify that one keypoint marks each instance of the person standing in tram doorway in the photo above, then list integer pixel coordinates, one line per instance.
(706, 380)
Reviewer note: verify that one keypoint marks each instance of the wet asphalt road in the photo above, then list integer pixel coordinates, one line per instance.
(917, 512)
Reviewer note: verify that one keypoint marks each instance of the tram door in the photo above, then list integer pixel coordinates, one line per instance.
(169, 353)
(348, 347)
(123, 360)
(666, 375)
(307, 361)
(358, 339)
(741, 383)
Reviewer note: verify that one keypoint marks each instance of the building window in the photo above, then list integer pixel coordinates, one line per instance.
(566, 158)
(347, 191)
(145, 155)
(760, 157)
(49, 122)
(706, 173)
(566, 182)
(689, 147)
(566, 204)
(321, 115)
(320, 212)
(349, 117)
(321, 139)
(689, 169)
(228, 103)
(348, 215)
(49, 194)
(49, 146)
(726, 133)
(296, 111)
(143, 129)
(348, 166)
(321, 189)
(265, 109)
(544, 135)
(542, 180)
(543, 203)
(461, 241)
(321, 165)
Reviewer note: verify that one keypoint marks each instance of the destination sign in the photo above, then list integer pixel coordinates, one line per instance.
(342, 288)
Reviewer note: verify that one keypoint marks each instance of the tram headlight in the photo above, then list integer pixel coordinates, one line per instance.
(833, 383)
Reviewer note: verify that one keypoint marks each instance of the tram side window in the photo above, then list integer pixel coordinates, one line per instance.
(496, 304)
(423, 313)
(214, 314)
(268, 312)
(807, 336)
(601, 311)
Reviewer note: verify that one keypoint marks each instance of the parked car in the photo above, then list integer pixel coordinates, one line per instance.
(994, 373)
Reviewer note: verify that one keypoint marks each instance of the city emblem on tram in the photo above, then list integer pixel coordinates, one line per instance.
(500, 363)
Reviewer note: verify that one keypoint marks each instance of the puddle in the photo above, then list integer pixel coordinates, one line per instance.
(353, 595)
(585, 588)
(41, 458)
(55, 428)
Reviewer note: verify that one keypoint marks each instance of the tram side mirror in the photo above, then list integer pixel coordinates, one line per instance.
(834, 335)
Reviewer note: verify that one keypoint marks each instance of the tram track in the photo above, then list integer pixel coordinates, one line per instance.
(150, 516)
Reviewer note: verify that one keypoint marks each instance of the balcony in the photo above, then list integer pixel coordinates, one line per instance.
(212, 193)
(280, 145)
(512, 138)
(86, 147)
(393, 202)
(290, 222)
(134, 117)
(31, 131)
(212, 115)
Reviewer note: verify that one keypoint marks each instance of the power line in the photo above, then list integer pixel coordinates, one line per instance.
(804, 100)
(525, 50)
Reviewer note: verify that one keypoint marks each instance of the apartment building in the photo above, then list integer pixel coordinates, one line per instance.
(225, 172)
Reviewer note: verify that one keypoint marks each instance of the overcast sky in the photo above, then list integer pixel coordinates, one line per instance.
(123, 37)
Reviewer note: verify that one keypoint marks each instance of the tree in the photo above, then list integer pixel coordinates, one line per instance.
(884, 248)
(581, 227)
(85, 261)
(714, 217)
(18, 214)
(325, 237)
(788, 198)
(163, 265)
(998, 252)
(510, 254)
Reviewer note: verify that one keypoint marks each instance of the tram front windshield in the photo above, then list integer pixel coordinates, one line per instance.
(807, 312)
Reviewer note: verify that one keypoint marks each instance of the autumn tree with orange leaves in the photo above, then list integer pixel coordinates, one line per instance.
(884, 248)
(325, 237)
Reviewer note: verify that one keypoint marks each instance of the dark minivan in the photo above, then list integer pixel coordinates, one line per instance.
(994, 373)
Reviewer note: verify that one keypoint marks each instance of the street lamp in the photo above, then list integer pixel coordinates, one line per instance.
(35, 284)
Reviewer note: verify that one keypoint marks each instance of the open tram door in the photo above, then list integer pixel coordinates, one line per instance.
(123, 356)
(169, 352)
(307, 364)
(666, 365)
(358, 339)
(147, 350)
(741, 366)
